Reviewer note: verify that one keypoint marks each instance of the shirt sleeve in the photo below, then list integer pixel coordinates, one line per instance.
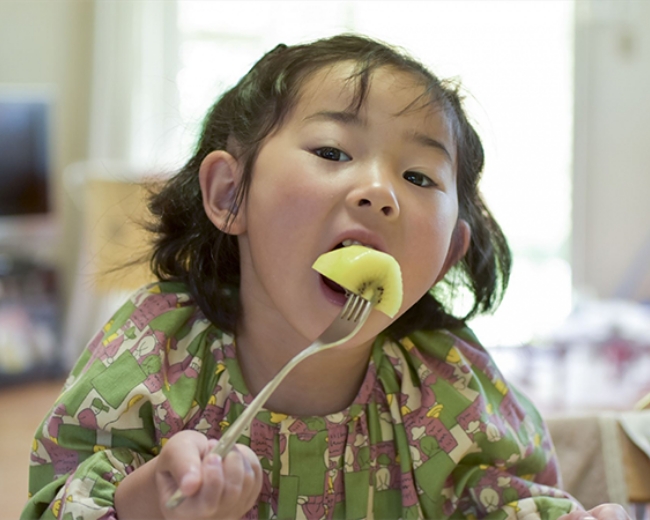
(500, 457)
(131, 389)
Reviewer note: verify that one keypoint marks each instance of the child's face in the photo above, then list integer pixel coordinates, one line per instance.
(381, 177)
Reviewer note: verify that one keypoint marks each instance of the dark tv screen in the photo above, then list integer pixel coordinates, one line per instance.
(24, 158)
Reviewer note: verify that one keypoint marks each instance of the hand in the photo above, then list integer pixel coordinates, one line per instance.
(602, 512)
(215, 488)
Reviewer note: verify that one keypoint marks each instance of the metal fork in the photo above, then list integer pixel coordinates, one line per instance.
(354, 314)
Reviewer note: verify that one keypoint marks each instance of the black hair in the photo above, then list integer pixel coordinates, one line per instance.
(189, 248)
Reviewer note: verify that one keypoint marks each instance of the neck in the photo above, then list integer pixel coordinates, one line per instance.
(324, 383)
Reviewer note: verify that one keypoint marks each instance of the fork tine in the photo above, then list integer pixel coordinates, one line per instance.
(350, 308)
(349, 305)
(361, 308)
(354, 308)
(358, 302)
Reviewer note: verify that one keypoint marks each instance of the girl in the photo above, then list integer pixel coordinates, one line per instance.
(343, 139)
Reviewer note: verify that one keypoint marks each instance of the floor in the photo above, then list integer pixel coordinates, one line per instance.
(22, 408)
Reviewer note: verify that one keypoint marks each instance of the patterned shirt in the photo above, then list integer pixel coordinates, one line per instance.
(434, 431)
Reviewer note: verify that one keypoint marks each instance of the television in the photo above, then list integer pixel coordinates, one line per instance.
(25, 167)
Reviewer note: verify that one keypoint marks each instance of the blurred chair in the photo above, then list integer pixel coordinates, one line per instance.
(601, 461)
(113, 251)
(116, 213)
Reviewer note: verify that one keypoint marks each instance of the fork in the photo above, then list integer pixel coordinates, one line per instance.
(353, 315)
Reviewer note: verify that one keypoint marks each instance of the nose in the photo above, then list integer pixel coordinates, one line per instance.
(375, 193)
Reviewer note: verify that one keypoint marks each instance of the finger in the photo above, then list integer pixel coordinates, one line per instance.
(168, 486)
(253, 478)
(181, 461)
(210, 498)
(609, 512)
(602, 512)
(212, 444)
(577, 515)
(234, 478)
(248, 477)
(205, 502)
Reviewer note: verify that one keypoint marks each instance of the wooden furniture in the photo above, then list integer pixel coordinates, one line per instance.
(112, 260)
(637, 470)
(116, 214)
(598, 460)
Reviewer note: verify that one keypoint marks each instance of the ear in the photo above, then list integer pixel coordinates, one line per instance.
(458, 247)
(219, 176)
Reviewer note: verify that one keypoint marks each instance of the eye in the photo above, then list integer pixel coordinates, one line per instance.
(332, 154)
(419, 179)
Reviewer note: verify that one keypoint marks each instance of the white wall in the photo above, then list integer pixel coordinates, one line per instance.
(47, 45)
(611, 234)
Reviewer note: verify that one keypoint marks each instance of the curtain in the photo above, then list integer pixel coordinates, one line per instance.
(134, 100)
(133, 129)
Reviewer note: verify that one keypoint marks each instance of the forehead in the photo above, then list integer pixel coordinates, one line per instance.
(392, 93)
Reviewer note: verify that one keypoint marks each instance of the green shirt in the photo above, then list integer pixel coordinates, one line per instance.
(434, 432)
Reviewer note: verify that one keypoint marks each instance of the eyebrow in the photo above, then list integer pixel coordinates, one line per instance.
(352, 118)
(429, 142)
(344, 116)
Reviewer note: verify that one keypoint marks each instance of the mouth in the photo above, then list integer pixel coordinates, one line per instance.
(333, 286)
(334, 291)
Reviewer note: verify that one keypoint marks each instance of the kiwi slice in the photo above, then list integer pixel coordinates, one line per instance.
(361, 270)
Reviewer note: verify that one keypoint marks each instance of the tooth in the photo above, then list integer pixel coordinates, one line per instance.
(349, 242)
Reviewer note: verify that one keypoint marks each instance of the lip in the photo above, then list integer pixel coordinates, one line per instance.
(330, 294)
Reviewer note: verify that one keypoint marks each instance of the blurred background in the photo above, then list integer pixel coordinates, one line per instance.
(96, 96)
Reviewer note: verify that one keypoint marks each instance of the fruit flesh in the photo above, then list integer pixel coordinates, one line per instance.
(371, 274)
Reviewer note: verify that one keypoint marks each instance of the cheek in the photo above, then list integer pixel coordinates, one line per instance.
(291, 189)
(292, 205)
(426, 248)
(285, 214)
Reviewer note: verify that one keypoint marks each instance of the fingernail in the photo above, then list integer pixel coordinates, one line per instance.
(234, 452)
(213, 459)
(192, 471)
(190, 475)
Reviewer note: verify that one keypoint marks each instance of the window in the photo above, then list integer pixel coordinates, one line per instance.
(515, 61)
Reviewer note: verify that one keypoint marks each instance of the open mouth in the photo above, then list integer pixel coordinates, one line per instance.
(339, 293)
(333, 291)
(330, 283)
(333, 285)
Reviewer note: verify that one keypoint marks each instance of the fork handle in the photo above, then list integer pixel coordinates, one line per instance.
(228, 439)
(233, 433)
